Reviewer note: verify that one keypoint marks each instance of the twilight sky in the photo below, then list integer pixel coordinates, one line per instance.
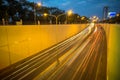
(83, 7)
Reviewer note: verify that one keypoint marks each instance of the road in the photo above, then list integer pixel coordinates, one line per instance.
(81, 57)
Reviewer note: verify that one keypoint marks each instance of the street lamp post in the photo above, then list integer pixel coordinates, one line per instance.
(34, 14)
(38, 4)
(69, 12)
(56, 17)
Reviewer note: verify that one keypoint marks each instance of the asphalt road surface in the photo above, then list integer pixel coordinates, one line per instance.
(81, 57)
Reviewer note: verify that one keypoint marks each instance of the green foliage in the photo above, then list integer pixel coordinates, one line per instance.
(25, 10)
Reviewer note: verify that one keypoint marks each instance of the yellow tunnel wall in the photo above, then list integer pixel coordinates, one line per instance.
(21, 41)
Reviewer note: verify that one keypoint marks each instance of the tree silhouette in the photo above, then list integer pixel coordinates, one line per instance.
(14, 10)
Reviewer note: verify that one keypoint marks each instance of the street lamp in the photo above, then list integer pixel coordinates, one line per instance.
(117, 15)
(69, 12)
(45, 14)
(56, 17)
(38, 5)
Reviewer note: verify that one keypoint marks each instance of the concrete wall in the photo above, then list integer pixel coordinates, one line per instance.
(21, 41)
(113, 51)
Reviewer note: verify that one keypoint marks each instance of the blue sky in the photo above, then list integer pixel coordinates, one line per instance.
(83, 7)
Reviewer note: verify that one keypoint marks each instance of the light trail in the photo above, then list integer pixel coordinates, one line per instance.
(80, 57)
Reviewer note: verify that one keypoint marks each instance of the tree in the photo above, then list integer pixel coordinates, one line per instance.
(74, 18)
(84, 19)
(23, 9)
